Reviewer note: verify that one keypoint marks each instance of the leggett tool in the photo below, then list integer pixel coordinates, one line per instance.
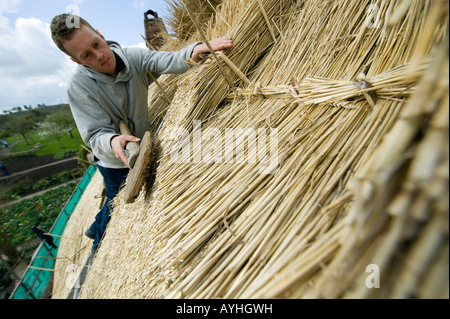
(139, 159)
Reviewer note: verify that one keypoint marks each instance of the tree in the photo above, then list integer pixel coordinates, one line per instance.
(56, 124)
(37, 115)
(21, 125)
(64, 119)
(52, 129)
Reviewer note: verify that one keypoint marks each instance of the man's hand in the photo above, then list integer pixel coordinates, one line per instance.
(118, 145)
(216, 44)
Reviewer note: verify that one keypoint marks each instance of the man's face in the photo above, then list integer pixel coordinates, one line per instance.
(89, 48)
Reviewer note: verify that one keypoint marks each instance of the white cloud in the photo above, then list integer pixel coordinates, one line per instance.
(33, 69)
(138, 4)
(9, 6)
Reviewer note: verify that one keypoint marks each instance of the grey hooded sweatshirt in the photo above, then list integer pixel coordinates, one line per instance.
(98, 102)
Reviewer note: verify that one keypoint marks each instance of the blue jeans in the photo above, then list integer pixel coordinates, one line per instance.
(113, 179)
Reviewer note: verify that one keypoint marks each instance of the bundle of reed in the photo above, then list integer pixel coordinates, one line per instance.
(394, 83)
(396, 219)
(160, 96)
(74, 246)
(202, 90)
(307, 224)
(412, 163)
(179, 20)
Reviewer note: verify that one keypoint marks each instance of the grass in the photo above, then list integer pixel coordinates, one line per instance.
(49, 144)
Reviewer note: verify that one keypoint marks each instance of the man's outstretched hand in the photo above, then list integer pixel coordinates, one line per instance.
(216, 44)
(118, 143)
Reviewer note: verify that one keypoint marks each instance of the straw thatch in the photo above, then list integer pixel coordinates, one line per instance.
(74, 246)
(179, 20)
(357, 110)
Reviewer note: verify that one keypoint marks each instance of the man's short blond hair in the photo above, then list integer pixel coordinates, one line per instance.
(62, 29)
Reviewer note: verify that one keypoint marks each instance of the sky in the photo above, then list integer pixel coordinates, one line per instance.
(32, 69)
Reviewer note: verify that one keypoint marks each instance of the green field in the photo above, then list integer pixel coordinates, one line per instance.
(49, 144)
(18, 218)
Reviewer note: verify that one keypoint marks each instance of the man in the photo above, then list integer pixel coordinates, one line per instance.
(109, 85)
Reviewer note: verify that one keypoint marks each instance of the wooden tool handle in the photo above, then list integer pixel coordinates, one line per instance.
(131, 147)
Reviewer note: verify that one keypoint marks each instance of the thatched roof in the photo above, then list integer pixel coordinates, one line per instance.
(75, 247)
(358, 112)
